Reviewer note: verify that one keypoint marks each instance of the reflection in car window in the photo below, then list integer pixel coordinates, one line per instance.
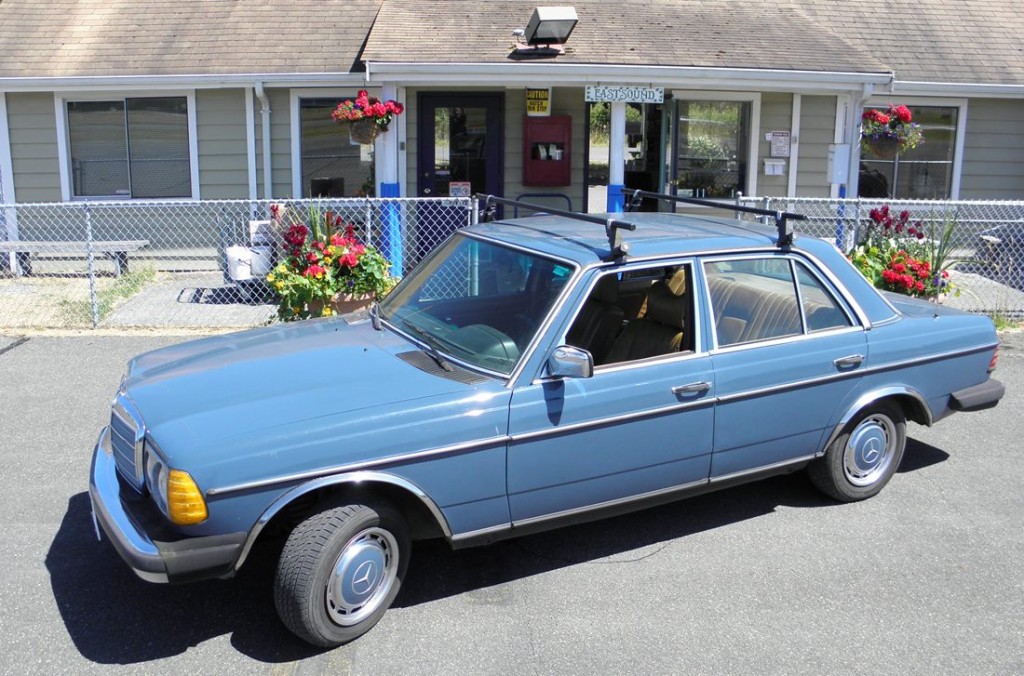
(477, 301)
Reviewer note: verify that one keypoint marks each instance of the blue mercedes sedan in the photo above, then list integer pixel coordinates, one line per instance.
(528, 374)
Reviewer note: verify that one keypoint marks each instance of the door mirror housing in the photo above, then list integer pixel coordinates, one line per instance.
(570, 362)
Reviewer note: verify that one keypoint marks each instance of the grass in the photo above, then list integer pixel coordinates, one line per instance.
(79, 312)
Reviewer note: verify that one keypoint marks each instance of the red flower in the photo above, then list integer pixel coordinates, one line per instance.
(899, 268)
(901, 112)
(882, 118)
(919, 287)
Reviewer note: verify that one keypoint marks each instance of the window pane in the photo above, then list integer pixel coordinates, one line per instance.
(925, 172)
(331, 165)
(99, 149)
(753, 299)
(158, 147)
(820, 307)
(711, 148)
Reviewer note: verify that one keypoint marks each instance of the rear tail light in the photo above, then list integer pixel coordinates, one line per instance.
(995, 360)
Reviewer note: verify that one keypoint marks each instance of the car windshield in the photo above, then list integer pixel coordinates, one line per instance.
(476, 301)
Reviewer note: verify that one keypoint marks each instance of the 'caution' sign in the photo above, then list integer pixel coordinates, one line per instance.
(538, 101)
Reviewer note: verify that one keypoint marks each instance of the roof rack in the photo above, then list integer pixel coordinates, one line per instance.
(612, 226)
(785, 236)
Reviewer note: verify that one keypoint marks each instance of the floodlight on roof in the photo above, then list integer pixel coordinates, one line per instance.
(550, 25)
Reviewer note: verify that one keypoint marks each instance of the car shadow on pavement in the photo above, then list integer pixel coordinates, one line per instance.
(115, 618)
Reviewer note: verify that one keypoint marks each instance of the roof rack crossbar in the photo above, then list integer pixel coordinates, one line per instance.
(612, 226)
(780, 217)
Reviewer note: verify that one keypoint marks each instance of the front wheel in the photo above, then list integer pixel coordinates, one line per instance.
(339, 572)
(861, 460)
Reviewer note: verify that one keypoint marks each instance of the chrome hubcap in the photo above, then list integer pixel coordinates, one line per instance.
(362, 576)
(869, 450)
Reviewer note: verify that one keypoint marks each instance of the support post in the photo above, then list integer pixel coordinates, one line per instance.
(386, 154)
(616, 157)
(91, 258)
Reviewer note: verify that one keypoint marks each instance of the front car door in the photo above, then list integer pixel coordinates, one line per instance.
(641, 426)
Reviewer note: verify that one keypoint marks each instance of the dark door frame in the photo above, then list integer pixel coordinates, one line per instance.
(494, 103)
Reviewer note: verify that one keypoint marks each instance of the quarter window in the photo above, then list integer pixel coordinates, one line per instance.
(820, 307)
(133, 147)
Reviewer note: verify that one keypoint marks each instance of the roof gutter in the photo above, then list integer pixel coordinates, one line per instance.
(994, 91)
(577, 74)
(189, 81)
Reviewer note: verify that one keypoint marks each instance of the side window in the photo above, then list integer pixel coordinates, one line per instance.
(821, 309)
(753, 299)
(636, 314)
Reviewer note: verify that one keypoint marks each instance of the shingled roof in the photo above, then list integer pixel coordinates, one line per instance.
(937, 40)
(954, 41)
(65, 38)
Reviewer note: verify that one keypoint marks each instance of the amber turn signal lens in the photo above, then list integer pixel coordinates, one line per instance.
(185, 504)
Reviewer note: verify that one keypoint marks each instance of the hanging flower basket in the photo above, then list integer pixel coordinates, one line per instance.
(882, 148)
(363, 132)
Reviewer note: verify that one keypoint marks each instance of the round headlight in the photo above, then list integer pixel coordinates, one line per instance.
(156, 480)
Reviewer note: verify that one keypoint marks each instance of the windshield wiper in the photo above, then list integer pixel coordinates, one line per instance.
(375, 316)
(428, 341)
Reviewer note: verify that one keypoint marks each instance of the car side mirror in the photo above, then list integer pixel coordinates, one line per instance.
(570, 362)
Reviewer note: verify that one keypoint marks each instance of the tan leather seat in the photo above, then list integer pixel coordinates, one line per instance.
(600, 320)
(659, 331)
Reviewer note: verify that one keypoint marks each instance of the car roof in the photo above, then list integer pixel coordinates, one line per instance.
(656, 234)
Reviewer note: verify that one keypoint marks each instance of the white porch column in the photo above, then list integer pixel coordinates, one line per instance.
(616, 156)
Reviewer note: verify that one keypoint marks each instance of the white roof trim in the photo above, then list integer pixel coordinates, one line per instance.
(185, 81)
(515, 73)
(958, 89)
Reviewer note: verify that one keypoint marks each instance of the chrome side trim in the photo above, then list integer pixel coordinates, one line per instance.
(356, 477)
(869, 398)
(609, 503)
(500, 528)
(796, 384)
(609, 420)
(359, 466)
(763, 468)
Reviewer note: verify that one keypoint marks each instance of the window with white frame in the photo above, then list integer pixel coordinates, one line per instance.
(712, 147)
(331, 165)
(130, 147)
(924, 172)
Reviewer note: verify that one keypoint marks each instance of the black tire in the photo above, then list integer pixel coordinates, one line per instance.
(339, 572)
(861, 460)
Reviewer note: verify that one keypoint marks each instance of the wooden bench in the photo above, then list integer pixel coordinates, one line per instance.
(116, 250)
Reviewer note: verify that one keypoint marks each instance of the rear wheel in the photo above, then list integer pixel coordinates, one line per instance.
(861, 460)
(339, 572)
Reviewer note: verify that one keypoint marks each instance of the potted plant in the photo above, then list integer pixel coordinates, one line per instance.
(326, 270)
(883, 135)
(366, 116)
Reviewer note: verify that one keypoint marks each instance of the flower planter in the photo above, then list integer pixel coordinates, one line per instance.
(362, 132)
(883, 148)
(341, 303)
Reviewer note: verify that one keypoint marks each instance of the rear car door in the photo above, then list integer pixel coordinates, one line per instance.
(787, 349)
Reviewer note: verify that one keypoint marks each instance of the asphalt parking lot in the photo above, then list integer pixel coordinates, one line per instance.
(926, 578)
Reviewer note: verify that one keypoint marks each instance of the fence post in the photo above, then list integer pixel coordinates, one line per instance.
(856, 223)
(91, 258)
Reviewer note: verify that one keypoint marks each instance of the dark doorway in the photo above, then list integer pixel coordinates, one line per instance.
(461, 140)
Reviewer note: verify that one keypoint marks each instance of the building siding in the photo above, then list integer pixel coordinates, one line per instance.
(993, 147)
(817, 131)
(33, 134)
(776, 115)
(280, 143)
(220, 123)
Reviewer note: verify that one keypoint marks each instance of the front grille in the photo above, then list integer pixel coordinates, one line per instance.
(126, 441)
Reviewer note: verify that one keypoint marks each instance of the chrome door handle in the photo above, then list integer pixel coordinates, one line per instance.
(692, 388)
(851, 361)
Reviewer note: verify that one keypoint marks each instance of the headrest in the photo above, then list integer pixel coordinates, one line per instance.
(677, 282)
(607, 289)
(665, 307)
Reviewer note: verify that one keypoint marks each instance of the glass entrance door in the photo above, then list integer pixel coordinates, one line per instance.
(461, 143)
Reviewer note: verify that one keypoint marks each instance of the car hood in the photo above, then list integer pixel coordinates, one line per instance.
(209, 390)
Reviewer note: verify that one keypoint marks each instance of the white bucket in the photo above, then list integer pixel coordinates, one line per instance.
(239, 263)
(261, 261)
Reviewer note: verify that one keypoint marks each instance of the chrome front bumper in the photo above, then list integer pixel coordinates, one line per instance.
(134, 546)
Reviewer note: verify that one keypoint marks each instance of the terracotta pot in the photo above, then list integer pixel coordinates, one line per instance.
(342, 303)
(363, 131)
(883, 148)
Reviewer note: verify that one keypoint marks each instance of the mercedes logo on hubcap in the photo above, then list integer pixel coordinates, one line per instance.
(872, 451)
(364, 577)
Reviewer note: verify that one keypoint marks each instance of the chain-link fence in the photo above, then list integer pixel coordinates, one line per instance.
(987, 240)
(181, 264)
